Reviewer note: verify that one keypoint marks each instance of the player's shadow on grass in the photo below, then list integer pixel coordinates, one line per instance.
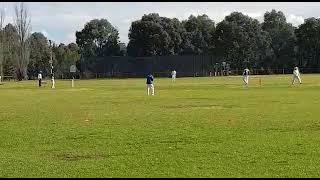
(205, 106)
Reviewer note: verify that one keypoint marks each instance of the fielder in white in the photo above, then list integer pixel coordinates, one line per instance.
(53, 82)
(150, 85)
(40, 78)
(296, 75)
(173, 75)
(246, 76)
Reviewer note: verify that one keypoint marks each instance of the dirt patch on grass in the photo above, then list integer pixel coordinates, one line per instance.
(298, 153)
(283, 130)
(199, 106)
(75, 157)
(78, 157)
(313, 126)
(185, 106)
(213, 107)
(199, 98)
(273, 129)
(289, 103)
(77, 137)
(171, 141)
(232, 122)
(282, 162)
(77, 89)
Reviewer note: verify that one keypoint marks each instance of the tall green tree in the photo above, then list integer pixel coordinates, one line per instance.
(72, 57)
(64, 57)
(59, 52)
(198, 35)
(282, 40)
(241, 41)
(147, 37)
(39, 55)
(11, 38)
(175, 30)
(308, 41)
(98, 38)
(2, 40)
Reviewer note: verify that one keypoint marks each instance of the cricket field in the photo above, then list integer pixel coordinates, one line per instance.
(195, 127)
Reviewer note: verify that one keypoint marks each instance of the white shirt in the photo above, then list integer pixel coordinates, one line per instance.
(39, 76)
(246, 72)
(296, 72)
(173, 73)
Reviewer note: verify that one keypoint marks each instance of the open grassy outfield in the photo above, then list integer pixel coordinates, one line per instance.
(198, 127)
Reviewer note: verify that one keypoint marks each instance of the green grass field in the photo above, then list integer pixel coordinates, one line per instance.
(196, 127)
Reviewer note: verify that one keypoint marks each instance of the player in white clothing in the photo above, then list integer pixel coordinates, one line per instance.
(246, 76)
(40, 78)
(53, 81)
(150, 84)
(173, 75)
(296, 75)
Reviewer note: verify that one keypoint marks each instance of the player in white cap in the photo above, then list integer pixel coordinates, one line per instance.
(296, 75)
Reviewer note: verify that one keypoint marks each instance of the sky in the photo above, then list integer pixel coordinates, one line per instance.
(59, 21)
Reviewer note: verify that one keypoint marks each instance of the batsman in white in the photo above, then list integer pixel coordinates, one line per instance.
(53, 82)
(150, 84)
(40, 78)
(246, 76)
(296, 75)
(173, 75)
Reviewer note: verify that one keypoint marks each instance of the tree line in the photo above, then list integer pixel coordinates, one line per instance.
(24, 54)
(238, 39)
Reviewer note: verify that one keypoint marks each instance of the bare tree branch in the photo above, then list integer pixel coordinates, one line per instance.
(23, 27)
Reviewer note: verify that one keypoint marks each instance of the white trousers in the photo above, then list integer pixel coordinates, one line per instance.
(246, 80)
(150, 87)
(296, 77)
(173, 77)
(53, 84)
